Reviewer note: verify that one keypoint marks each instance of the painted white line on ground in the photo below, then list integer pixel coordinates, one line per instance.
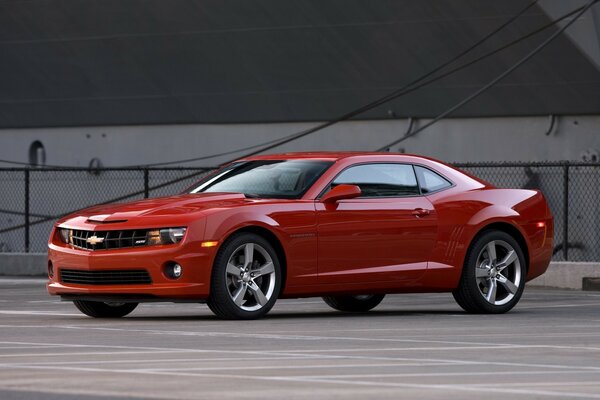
(279, 367)
(376, 384)
(250, 357)
(57, 302)
(21, 281)
(314, 353)
(559, 306)
(483, 391)
(90, 353)
(269, 336)
(465, 374)
(562, 383)
(44, 313)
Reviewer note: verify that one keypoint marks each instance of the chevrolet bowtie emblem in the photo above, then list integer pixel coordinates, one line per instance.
(93, 240)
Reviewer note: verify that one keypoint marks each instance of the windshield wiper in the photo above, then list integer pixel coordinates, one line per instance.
(252, 196)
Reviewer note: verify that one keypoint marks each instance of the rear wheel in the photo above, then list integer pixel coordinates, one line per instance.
(246, 278)
(493, 277)
(359, 303)
(98, 309)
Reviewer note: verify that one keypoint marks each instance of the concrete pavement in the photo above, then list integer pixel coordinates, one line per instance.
(411, 346)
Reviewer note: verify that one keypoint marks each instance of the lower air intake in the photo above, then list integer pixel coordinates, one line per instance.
(106, 277)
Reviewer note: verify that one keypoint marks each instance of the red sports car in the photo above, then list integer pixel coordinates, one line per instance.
(349, 227)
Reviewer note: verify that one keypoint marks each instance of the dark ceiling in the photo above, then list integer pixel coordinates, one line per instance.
(106, 62)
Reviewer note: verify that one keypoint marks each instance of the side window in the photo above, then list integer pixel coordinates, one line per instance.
(380, 180)
(430, 181)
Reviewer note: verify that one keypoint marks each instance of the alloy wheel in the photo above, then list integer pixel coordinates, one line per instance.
(250, 277)
(498, 272)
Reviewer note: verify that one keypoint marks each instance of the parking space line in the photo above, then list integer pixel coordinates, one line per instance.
(311, 366)
(269, 336)
(559, 306)
(250, 357)
(43, 313)
(378, 384)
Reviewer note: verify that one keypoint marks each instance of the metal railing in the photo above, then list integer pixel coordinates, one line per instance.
(31, 199)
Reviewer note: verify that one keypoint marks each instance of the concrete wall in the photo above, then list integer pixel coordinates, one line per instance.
(460, 140)
(23, 264)
(565, 275)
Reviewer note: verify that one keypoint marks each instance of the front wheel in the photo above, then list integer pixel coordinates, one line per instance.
(246, 278)
(360, 303)
(99, 309)
(493, 277)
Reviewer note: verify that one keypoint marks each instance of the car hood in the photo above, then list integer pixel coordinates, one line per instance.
(171, 206)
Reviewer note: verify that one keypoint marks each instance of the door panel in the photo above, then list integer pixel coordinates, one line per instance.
(375, 239)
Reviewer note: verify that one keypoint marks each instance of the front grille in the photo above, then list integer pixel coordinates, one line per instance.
(106, 277)
(104, 240)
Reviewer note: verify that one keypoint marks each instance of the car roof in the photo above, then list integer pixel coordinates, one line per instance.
(334, 155)
(446, 170)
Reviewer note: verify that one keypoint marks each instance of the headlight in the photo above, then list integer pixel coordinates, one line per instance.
(64, 234)
(165, 236)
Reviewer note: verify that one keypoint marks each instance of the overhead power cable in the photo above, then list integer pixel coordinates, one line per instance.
(390, 96)
(581, 9)
(395, 93)
(497, 79)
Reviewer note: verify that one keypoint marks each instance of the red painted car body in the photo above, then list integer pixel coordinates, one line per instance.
(350, 246)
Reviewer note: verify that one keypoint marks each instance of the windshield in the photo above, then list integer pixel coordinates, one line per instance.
(280, 179)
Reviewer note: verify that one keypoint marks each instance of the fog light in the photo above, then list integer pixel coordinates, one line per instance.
(173, 270)
(176, 270)
(50, 269)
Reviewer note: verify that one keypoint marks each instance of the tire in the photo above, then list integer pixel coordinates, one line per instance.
(241, 289)
(361, 303)
(98, 309)
(496, 287)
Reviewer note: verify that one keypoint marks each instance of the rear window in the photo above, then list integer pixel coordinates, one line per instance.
(430, 181)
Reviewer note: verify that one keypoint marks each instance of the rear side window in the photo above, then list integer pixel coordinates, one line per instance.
(430, 181)
(380, 180)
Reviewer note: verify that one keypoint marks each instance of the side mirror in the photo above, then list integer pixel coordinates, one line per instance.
(341, 192)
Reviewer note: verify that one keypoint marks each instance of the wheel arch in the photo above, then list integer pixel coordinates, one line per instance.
(508, 228)
(272, 238)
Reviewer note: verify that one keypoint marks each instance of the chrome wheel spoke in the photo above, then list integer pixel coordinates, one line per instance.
(498, 272)
(257, 293)
(511, 287)
(233, 270)
(491, 250)
(266, 269)
(491, 294)
(510, 258)
(251, 275)
(248, 254)
(238, 296)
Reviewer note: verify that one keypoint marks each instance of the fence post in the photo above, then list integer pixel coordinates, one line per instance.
(566, 211)
(146, 183)
(27, 222)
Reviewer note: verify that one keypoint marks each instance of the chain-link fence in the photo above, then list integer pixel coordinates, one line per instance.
(572, 191)
(32, 199)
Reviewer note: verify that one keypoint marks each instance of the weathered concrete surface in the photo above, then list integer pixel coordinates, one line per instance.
(23, 264)
(567, 275)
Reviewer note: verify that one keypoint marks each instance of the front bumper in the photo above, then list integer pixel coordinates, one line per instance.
(194, 283)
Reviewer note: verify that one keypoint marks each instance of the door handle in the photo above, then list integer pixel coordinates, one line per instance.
(420, 212)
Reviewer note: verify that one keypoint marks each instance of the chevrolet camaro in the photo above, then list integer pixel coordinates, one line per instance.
(348, 227)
